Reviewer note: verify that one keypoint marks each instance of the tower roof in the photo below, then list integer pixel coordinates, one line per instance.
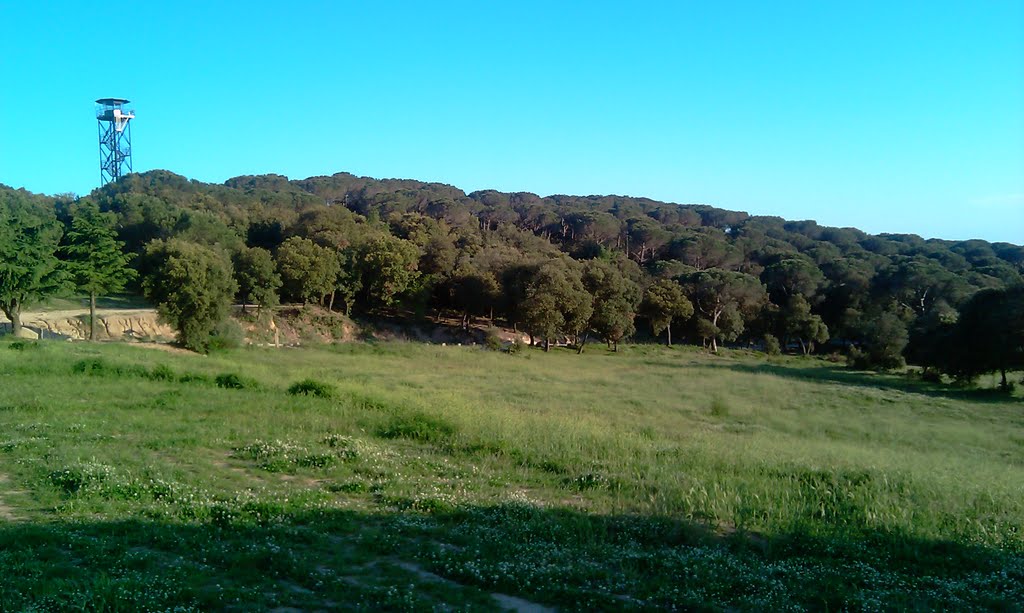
(113, 101)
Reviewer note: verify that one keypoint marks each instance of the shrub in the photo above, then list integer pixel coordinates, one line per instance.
(316, 460)
(98, 367)
(23, 345)
(192, 288)
(192, 377)
(230, 380)
(263, 450)
(75, 478)
(162, 372)
(93, 366)
(719, 408)
(931, 376)
(515, 347)
(874, 360)
(492, 339)
(345, 447)
(350, 487)
(771, 345)
(312, 387)
(418, 426)
(227, 335)
(222, 515)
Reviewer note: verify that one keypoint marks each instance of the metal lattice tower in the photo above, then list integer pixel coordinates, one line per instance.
(114, 121)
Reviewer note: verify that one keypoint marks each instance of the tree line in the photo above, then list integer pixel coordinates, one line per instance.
(559, 268)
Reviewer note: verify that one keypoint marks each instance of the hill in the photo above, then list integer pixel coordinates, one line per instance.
(408, 248)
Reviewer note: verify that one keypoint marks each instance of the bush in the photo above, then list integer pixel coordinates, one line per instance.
(931, 376)
(515, 347)
(227, 335)
(74, 478)
(720, 408)
(771, 345)
(418, 426)
(23, 345)
(316, 460)
(100, 367)
(91, 367)
(350, 487)
(191, 286)
(162, 372)
(230, 380)
(192, 377)
(344, 447)
(312, 387)
(874, 360)
(492, 339)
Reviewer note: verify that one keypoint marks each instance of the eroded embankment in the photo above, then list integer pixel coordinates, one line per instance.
(134, 324)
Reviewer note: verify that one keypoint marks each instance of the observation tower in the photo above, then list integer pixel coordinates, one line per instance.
(114, 122)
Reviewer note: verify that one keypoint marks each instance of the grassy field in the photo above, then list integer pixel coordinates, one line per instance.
(453, 477)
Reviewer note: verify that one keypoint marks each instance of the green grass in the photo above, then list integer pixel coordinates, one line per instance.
(406, 476)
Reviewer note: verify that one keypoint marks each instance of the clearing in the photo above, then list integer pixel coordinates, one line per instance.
(456, 477)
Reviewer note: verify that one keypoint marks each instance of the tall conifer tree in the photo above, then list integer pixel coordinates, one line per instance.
(95, 257)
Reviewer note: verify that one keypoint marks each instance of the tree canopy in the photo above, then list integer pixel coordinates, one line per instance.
(561, 266)
(29, 238)
(192, 287)
(95, 258)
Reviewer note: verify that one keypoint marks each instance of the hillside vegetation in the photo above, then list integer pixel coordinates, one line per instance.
(561, 268)
(408, 476)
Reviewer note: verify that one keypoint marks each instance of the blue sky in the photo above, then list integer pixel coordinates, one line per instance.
(887, 116)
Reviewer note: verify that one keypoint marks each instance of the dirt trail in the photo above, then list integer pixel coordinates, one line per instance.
(7, 513)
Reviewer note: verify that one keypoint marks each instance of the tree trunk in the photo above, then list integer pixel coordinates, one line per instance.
(330, 306)
(13, 312)
(92, 316)
(615, 347)
(668, 329)
(585, 337)
(547, 344)
(1004, 385)
(714, 344)
(803, 347)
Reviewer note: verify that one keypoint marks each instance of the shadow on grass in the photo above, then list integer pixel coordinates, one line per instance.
(261, 558)
(838, 374)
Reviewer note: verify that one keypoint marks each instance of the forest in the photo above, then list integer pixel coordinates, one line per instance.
(566, 270)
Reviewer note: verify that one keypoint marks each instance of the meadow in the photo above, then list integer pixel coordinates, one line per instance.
(404, 476)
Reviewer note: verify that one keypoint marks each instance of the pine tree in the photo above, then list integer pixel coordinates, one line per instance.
(94, 256)
(663, 302)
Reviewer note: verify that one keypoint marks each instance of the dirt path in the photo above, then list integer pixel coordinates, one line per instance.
(73, 313)
(7, 513)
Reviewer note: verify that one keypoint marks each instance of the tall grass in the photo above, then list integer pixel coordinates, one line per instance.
(800, 452)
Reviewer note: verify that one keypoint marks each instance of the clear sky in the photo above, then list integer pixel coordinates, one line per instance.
(888, 116)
